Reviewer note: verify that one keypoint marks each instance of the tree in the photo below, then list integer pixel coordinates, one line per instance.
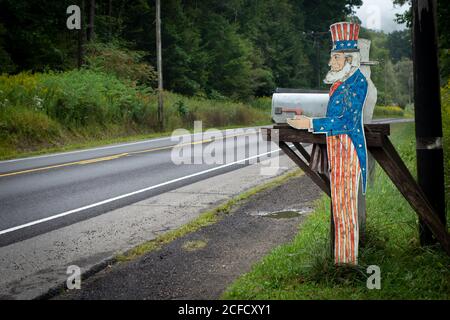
(399, 45)
(443, 12)
(235, 48)
(35, 36)
(228, 61)
(6, 63)
(404, 73)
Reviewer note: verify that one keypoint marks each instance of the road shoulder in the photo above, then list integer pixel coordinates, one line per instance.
(33, 267)
(200, 265)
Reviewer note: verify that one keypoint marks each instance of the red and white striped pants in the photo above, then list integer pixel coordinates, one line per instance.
(344, 178)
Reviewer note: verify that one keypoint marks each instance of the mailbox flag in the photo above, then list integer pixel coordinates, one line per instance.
(345, 36)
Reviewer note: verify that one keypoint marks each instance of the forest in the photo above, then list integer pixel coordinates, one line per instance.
(236, 49)
(235, 52)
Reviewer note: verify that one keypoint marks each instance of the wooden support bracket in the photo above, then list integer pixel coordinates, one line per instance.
(392, 164)
(305, 167)
(383, 151)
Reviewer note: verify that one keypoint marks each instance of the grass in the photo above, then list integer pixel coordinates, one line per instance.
(203, 220)
(303, 268)
(194, 245)
(207, 218)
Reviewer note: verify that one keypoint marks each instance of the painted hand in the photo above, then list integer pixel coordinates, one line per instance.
(300, 122)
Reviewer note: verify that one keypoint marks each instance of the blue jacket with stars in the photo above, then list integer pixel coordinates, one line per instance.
(345, 116)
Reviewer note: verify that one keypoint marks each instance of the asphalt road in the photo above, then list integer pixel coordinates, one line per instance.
(44, 193)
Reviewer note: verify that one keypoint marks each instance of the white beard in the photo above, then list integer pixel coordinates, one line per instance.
(342, 75)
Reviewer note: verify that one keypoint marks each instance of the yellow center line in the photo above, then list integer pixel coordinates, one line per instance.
(36, 169)
(95, 160)
(171, 147)
(102, 158)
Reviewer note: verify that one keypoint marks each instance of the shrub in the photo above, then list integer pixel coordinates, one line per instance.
(262, 103)
(26, 127)
(20, 89)
(213, 113)
(77, 98)
(388, 111)
(45, 109)
(123, 63)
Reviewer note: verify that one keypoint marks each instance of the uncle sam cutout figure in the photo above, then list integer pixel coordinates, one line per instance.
(346, 144)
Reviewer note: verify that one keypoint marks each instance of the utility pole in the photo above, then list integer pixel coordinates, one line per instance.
(159, 65)
(317, 44)
(110, 19)
(81, 38)
(427, 106)
(90, 28)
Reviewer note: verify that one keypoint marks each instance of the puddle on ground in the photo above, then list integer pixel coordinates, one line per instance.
(286, 214)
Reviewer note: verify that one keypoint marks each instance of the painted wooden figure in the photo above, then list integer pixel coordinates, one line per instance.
(346, 145)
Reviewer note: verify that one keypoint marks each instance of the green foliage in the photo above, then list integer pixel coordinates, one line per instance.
(388, 111)
(6, 63)
(182, 111)
(403, 71)
(276, 27)
(394, 81)
(77, 98)
(262, 103)
(444, 39)
(213, 49)
(234, 49)
(443, 24)
(445, 96)
(54, 109)
(185, 61)
(123, 63)
(35, 36)
(25, 126)
(232, 73)
(399, 45)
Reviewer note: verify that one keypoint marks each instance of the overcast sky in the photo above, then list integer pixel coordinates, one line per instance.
(380, 15)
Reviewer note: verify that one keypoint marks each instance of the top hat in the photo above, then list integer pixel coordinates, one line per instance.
(345, 36)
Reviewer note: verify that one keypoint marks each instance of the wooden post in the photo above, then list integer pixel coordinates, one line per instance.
(159, 65)
(427, 106)
(392, 164)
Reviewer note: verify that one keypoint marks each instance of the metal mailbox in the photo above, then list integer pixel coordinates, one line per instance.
(286, 104)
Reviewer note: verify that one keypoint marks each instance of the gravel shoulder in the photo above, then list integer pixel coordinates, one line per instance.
(202, 264)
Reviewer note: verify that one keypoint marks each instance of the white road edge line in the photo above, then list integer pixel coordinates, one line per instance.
(29, 224)
(115, 146)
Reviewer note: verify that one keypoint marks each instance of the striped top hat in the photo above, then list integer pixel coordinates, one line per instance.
(345, 36)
